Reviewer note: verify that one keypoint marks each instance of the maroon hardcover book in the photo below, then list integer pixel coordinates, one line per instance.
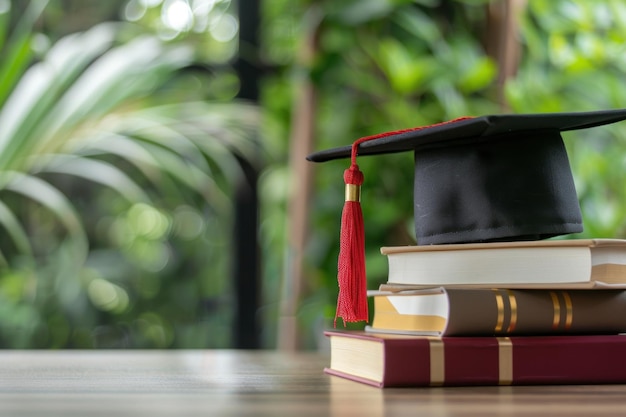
(389, 360)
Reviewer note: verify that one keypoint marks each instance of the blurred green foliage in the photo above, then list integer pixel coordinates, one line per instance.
(117, 162)
(574, 58)
(387, 65)
(119, 233)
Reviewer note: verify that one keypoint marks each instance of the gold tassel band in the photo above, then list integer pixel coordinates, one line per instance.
(353, 192)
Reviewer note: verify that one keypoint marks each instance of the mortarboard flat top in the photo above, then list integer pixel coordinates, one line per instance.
(472, 129)
(489, 178)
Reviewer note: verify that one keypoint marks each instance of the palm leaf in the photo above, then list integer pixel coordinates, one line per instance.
(92, 170)
(86, 99)
(18, 235)
(154, 162)
(56, 202)
(18, 52)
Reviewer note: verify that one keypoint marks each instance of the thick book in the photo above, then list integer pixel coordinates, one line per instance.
(500, 312)
(588, 262)
(386, 360)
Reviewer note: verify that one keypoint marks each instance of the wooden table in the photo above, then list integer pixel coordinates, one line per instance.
(238, 383)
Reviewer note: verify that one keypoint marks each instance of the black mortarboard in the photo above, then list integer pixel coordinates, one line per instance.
(489, 178)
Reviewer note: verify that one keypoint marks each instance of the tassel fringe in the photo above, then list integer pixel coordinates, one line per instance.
(351, 277)
(352, 299)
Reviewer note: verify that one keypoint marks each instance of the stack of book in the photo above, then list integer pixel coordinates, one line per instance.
(547, 312)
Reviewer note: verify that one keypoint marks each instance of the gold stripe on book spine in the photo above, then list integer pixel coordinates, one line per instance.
(556, 306)
(513, 306)
(505, 361)
(569, 309)
(500, 305)
(437, 362)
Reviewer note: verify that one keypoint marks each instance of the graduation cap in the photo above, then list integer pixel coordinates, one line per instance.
(477, 179)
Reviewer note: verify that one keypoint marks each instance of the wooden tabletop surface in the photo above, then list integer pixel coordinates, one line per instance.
(267, 383)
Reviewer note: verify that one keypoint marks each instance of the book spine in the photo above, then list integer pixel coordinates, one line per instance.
(536, 360)
(432, 361)
(505, 312)
(531, 312)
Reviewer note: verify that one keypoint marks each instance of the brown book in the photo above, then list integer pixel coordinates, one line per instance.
(386, 360)
(504, 312)
(590, 262)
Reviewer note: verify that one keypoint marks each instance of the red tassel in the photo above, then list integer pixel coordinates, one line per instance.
(352, 300)
(351, 277)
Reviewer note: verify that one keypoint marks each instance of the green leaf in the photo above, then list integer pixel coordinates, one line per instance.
(51, 198)
(419, 25)
(15, 230)
(18, 53)
(356, 12)
(406, 71)
(38, 91)
(93, 170)
(478, 76)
